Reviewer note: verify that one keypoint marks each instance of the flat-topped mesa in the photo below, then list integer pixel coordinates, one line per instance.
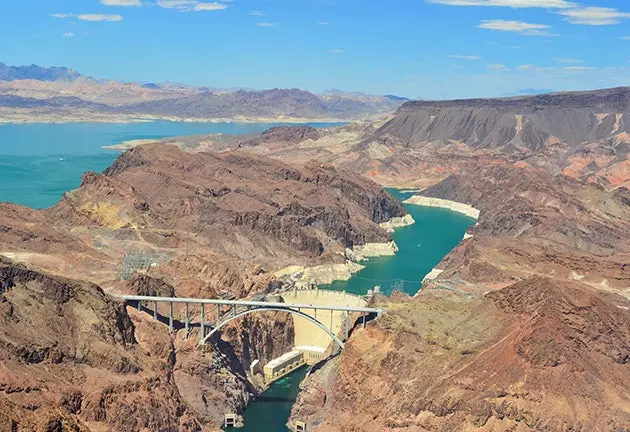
(584, 134)
(613, 99)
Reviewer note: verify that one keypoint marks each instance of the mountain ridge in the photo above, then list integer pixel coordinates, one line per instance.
(53, 73)
(31, 89)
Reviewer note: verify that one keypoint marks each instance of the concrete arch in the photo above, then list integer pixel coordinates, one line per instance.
(275, 309)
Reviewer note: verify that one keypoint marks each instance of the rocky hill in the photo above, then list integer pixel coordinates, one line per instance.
(539, 355)
(216, 222)
(215, 225)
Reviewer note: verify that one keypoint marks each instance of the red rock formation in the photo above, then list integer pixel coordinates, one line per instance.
(538, 355)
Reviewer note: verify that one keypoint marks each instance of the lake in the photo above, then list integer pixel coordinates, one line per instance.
(422, 246)
(39, 162)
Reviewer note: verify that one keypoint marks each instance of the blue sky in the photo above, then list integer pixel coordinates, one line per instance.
(417, 48)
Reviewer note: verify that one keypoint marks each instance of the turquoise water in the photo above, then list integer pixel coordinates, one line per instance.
(271, 411)
(422, 246)
(39, 162)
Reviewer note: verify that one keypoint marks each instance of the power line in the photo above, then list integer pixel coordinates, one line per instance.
(386, 280)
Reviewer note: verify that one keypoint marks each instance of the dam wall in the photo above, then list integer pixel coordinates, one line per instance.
(465, 209)
(310, 339)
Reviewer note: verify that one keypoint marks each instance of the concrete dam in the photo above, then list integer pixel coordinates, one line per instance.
(311, 343)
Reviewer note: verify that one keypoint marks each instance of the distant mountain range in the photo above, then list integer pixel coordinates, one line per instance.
(14, 73)
(58, 93)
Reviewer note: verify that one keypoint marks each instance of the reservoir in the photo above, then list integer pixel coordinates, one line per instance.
(40, 162)
(421, 247)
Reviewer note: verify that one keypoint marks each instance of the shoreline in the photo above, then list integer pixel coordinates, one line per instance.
(325, 274)
(465, 209)
(26, 118)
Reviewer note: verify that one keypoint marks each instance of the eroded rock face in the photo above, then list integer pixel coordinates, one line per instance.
(583, 135)
(227, 214)
(73, 359)
(170, 224)
(539, 355)
(534, 223)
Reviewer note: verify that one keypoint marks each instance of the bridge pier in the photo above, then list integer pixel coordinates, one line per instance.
(331, 319)
(155, 310)
(203, 321)
(186, 322)
(170, 316)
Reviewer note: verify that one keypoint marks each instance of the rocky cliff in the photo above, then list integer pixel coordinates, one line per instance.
(162, 222)
(536, 356)
(72, 359)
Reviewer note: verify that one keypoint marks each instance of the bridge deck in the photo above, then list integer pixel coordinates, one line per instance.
(253, 304)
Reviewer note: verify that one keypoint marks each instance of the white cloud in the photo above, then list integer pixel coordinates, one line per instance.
(492, 43)
(99, 17)
(545, 4)
(496, 66)
(322, 23)
(465, 57)
(191, 5)
(516, 26)
(266, 24)
(121, 2)
(568, 60)
(625, 38)
(61, 15)
(210, 6)
(176, 4)
(577, 68)
(68, 34)
(594, 16)
(336, 51)
(257, 13)
(524, 67)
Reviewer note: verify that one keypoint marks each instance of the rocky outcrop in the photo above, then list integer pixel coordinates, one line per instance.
(78, 360)
(535, 223)
(205, 223)
(167, 223)
(538, 355)
(144, 285)
(263, 337)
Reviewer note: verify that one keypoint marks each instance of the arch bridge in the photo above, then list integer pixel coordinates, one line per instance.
(216, 313)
